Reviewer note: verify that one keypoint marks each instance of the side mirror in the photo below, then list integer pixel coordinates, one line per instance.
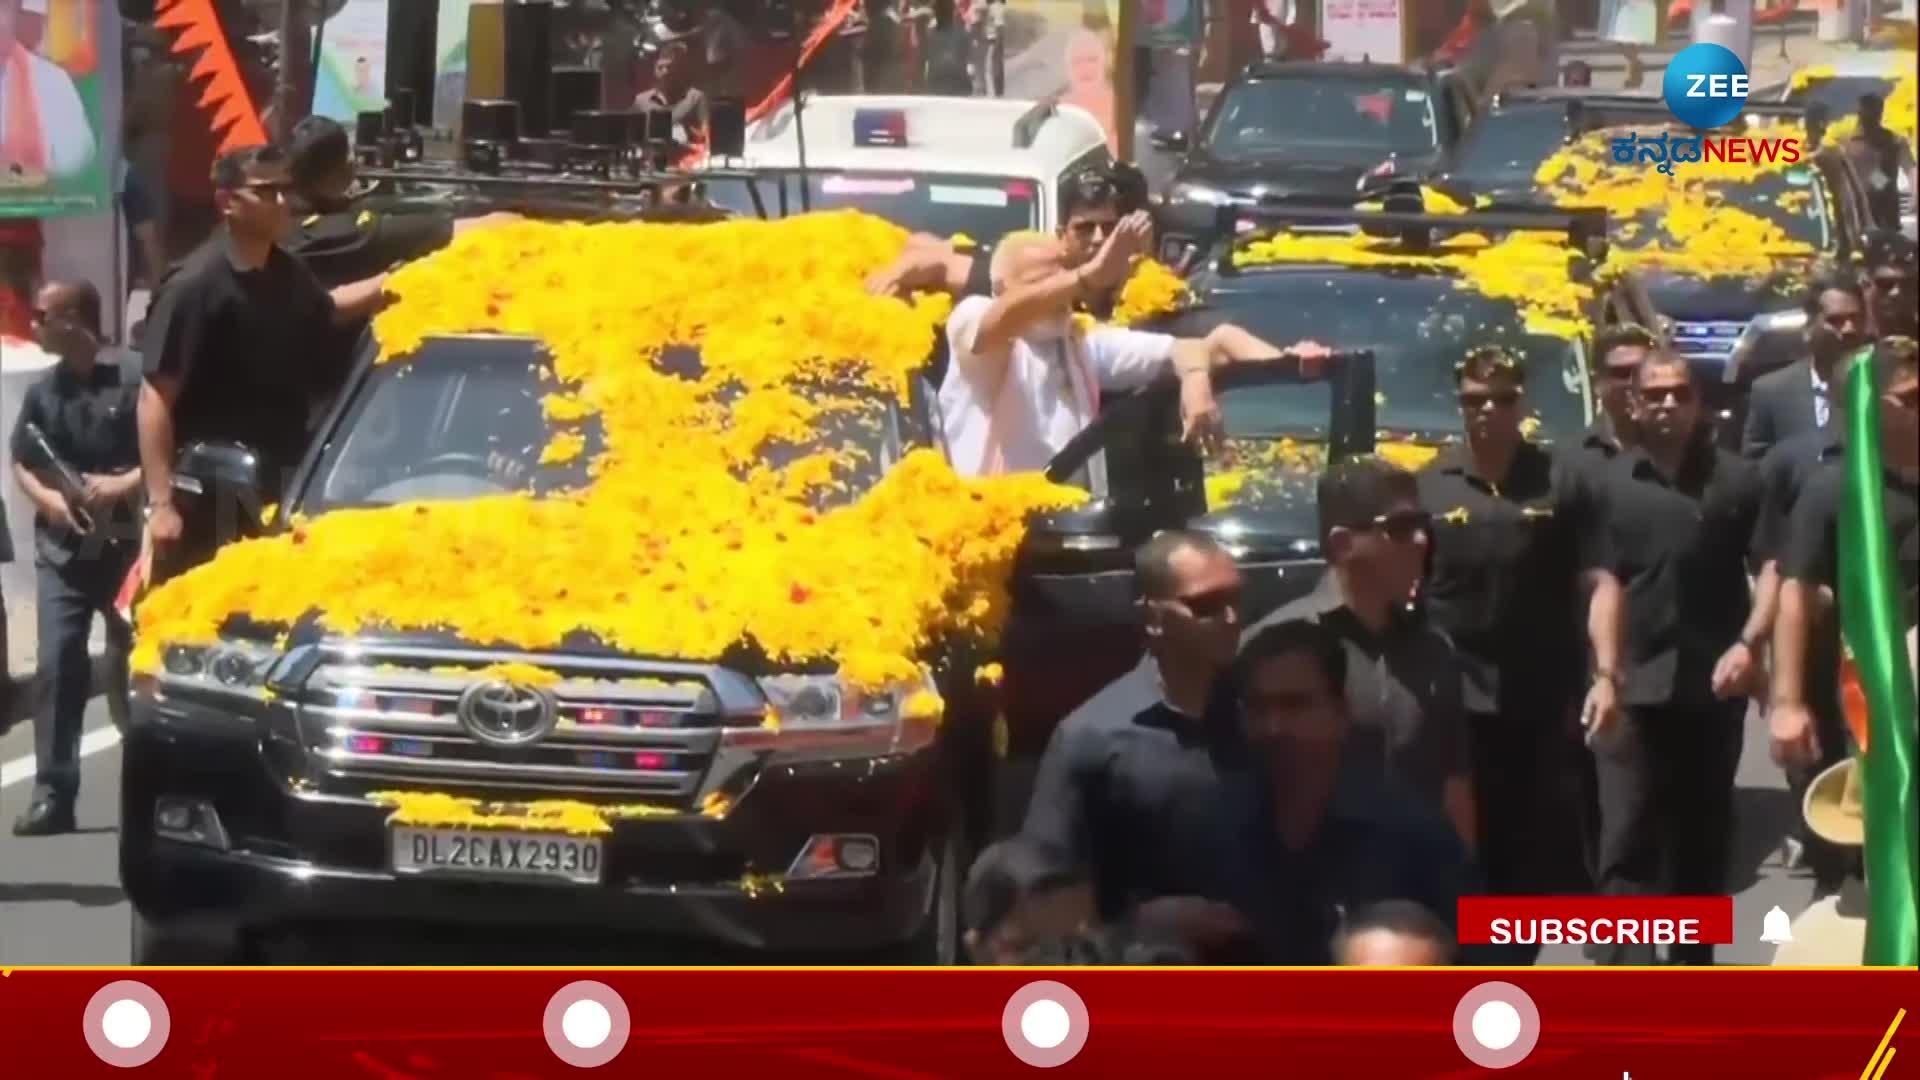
(220, 473)
(1170, 141)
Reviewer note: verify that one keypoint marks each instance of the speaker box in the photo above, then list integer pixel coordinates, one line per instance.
(510, 56)
(411, 28)
(575, 90)
(727, 128)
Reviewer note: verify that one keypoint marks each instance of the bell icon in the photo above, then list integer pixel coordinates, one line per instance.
(1776, 928)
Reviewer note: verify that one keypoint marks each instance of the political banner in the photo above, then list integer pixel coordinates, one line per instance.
(352, 77)
(55, 145)
(1064, 49)
(450, 63)
(1365, 30)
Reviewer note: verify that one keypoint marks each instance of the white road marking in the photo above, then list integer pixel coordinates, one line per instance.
(20, 769)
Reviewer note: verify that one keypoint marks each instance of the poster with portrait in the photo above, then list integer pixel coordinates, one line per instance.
(1065, 49)
(55, 147)
(450, 63)
(352, 77)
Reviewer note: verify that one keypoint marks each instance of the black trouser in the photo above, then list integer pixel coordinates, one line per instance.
(1666, 810)
(1529, 796)
(69, 596)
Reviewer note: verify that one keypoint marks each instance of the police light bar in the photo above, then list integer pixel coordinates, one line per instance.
(879, 127)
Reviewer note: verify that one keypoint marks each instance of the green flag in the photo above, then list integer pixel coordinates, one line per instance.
(1875, 629)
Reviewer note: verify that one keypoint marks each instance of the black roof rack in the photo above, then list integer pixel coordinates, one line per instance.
(1585, 227)
(560, 190)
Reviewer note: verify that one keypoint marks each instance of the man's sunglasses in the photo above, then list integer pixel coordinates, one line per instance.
(267, 187)
(1211, 605)
(1404, 526)
(1088, 228)
(1621, 372)
(1474, 401)
(1679, 395)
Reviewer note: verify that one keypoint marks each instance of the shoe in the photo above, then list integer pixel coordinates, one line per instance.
(46, 817)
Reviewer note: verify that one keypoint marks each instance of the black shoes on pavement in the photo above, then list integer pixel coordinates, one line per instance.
(46, 817)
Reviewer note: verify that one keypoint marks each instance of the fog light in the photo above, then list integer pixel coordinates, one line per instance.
(836, 856)
(190, 821)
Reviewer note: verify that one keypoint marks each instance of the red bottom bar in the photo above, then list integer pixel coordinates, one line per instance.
(521, 1024)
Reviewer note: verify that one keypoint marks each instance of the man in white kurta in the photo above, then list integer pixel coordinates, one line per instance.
(1025, 379)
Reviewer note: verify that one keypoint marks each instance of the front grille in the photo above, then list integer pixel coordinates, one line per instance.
(647, 731)
(1706, 341)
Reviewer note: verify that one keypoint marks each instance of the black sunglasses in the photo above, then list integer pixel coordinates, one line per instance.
(1405, 525)
(1474, 401)
(1088, 228)
(1211, 605)
(1680, 395)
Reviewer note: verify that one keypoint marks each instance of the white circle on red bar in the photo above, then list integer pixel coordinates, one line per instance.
(126, 1024)
(1496, 1025)
(586, 1024)
(1045, 1024)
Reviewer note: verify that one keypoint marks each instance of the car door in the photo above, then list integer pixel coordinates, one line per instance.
(1073, 627)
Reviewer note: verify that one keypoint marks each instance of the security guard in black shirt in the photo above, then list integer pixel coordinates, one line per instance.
(76, 456)
(1683, 527)
(1504, 586)
(237, 332)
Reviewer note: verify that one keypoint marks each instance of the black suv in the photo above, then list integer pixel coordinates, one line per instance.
(254, 771)
(1732, 328)
(1299, 131)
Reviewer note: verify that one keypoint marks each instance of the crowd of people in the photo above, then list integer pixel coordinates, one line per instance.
(1526, 671)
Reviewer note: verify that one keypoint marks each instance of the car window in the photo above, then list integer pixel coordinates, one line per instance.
(1506, 147)
(466, 417)
(1418, 326)
(1340, 119)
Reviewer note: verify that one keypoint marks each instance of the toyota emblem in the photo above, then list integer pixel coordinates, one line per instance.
(502, 714)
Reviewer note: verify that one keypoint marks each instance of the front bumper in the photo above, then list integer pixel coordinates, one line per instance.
(302, 854)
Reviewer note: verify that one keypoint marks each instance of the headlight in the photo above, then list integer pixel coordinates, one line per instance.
(824, 713)
(1200, 193)
(230, 666)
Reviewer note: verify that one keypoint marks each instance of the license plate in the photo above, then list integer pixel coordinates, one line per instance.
(577, 860)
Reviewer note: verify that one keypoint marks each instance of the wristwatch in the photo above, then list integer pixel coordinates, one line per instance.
(1612, 677)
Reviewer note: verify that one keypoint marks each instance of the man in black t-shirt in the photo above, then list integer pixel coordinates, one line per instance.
(1683, 527)
(230, 350)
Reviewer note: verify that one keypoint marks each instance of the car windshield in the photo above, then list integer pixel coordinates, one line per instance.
(1326, 119)
(983, 207)
(1505, 149)
(463, 417)
(1418, 325)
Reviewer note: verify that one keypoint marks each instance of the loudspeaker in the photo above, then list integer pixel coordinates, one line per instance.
(411, 28)
(727, 128)
(510, 55)
(575, 90)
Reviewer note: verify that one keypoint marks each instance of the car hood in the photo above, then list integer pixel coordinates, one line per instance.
(1690, 297)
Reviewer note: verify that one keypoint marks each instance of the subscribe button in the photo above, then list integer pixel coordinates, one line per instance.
(1596, 920)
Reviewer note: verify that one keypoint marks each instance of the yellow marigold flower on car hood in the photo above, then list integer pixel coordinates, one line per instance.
(685, 542)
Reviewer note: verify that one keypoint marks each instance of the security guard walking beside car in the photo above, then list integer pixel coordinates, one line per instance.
(1503, 585)
(77, 457)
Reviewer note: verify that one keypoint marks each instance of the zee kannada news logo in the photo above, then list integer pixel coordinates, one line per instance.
(1706, 87)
